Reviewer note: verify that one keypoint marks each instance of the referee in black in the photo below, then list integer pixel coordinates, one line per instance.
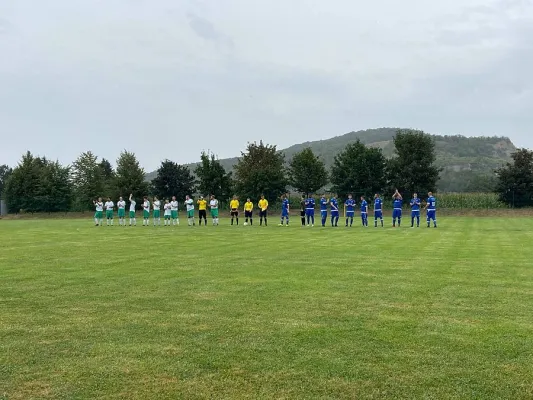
(302, 209)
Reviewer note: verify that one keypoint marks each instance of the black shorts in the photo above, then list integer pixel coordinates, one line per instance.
(202, 213)
(263, 213)
(248, 214)
(302, 213)
(234, 212)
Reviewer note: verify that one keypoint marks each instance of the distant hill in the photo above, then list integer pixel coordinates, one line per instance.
(465, 160)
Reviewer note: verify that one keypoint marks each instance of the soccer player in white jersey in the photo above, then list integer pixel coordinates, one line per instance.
(213, 205)
(189, 204)
(109, 206)
(146, 211)
(121, 205)
(174, 211)
(157, 211)
(99, 212)
(167, 214)
(133, 203)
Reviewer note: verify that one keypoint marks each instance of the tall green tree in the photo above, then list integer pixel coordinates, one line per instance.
(260, 170)
(129, 177)
(307, 172)
(515, 180)
(173, 179)
(212, 177)
(108, 173)
(358, 169)
(413, 168)
(38, 185)
(22, 185)
(54, 192)
(5, 171)
(107, 169)
(88, 180)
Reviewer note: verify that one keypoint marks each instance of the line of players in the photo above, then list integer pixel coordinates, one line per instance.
(170, 209)
(307, 211)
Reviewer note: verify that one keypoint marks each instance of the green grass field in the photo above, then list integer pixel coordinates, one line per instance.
(263, 313)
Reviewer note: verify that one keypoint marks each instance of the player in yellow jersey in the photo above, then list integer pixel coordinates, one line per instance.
(202, 210)
(248, 211)
(234, 209)
(263, 207)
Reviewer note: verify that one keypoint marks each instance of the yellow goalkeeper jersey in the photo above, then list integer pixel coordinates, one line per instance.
(263, 204)
(202, 205)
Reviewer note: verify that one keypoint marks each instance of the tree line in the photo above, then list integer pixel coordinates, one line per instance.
(37, 184)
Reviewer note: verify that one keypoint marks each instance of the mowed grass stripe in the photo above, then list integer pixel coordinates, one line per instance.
(271, 312)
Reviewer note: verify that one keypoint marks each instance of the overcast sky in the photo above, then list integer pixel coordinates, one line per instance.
(170, 78)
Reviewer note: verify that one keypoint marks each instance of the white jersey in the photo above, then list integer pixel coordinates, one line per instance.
(174, 205)
(99, 206)
(157, 205)
(213, 204)
(190, 204)
(167, 208)
(146, 205)
(121, 205)
(133, 203)
(109, 205)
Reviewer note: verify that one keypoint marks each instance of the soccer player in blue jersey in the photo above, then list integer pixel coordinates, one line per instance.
(284, 210)
(378, 210)
(397, 204)
(431, 210)
(350, 209)
(334, 211)
(364, 211)
(310, 210)
(415, 211)
(324, 209)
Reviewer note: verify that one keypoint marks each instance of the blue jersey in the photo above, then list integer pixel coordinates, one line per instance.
(334, 205)
(378, 204)
(323, 204)
(350, 205)
(432, 203)
(397, 204)
(415, 204)
(364, 206)
(285, 204)
(310, 203)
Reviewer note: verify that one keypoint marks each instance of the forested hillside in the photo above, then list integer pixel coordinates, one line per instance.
(468, 163)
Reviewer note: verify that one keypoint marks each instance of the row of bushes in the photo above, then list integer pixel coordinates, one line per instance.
(471, 201)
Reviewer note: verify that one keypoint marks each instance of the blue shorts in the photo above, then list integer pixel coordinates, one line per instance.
(378, 214)
(415, 214)
(335, 213)
(309, 212)
(396, 213)
(432, 214)
(364, 214)
(350, 213)
(323, 214)
(284, 213)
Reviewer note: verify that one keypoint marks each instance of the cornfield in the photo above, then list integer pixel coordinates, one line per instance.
(473, 201)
